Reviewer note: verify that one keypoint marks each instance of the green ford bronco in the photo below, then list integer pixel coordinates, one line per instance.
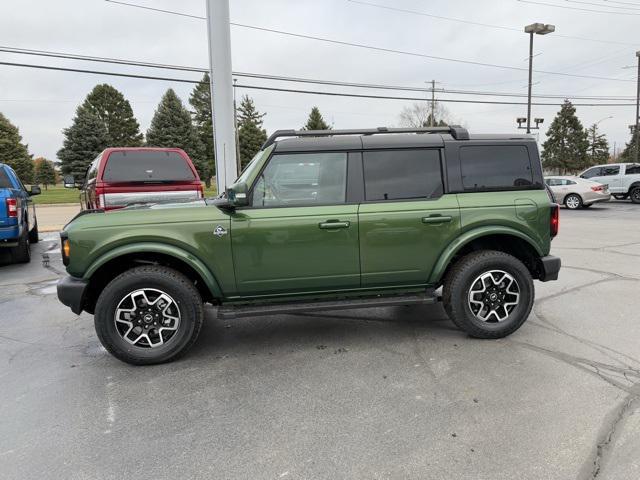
(324, 220)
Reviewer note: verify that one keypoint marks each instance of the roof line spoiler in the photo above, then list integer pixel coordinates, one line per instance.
(456, 131)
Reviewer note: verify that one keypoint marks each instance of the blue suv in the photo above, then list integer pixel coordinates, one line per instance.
(18, 223)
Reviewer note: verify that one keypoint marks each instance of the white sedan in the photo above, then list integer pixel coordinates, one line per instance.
(575, 192)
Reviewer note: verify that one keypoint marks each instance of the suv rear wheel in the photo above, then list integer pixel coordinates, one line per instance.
(150, 314)
(488, 294)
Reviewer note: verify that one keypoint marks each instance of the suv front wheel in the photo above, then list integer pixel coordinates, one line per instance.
(488, 294)
(149, 314)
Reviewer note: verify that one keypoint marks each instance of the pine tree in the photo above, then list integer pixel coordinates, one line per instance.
(200, 100)
(44, 172)
(83, 142)
(629, 153)
(598, 152)
(566, 146)
(171, 127)
(251, 135)
(315, 121)
(13, 152)
(115, 112)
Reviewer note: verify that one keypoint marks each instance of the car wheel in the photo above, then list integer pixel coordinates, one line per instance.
(33, 234)
(635, 195)
(573, 201)
(488, 294)
(22, 252)
(620, 196)
(149, 314)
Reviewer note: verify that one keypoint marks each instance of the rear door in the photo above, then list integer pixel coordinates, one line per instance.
(406, 220)
(299, 234)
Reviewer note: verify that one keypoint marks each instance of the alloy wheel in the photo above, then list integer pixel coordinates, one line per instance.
(572, 202)
(147, 318)
(493, 296)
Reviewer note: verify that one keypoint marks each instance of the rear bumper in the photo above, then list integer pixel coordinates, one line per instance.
(596, 198)
(71, 292)
(549, 267)
(9, 236)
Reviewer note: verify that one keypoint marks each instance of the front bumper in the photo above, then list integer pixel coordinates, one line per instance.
(549, 268)
(71, 292)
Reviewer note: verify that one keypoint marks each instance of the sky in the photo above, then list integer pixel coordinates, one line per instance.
(42, 103)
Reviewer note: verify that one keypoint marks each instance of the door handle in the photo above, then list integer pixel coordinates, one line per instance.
(436, 219)
(333, 225)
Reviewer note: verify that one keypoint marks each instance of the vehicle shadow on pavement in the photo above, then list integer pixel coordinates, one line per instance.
(336, 329)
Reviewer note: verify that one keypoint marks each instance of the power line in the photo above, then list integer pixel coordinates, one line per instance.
(574, 8)
(119, 61)
(486, 25)
(602, 6)
(308, 92)
(379, 49)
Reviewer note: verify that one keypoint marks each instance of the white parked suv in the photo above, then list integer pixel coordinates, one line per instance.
(623, 179)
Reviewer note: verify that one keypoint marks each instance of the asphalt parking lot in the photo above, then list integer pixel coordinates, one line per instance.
(379, 393)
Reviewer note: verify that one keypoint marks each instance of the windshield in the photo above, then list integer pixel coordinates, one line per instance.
(251, 170)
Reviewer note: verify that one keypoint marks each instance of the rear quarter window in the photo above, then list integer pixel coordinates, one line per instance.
(5, 181)
(143, 166)
(495, 167)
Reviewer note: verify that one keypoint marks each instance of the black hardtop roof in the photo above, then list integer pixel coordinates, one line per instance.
(310, 140)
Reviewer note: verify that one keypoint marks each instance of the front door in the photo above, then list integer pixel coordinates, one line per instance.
(298, 235)
(405, 221)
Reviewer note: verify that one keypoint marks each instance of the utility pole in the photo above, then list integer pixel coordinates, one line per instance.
(432, 120)
(224, 138)
(235, 126)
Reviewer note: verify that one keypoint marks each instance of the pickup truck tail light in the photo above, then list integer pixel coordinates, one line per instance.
(12, 208)
(100, 203)
(200, 191)
(554, 222)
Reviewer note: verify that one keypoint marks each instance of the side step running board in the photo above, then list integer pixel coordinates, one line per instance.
(231, 311)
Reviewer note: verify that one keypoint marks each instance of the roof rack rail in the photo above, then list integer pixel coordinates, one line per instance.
(456, 131)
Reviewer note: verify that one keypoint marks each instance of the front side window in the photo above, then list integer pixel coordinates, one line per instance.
(302, 179)
(93, 169)
(402, 175)
(495, 167)
(606, 171)
(592, 172)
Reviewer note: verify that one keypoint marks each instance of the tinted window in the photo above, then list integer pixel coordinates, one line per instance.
(495, 167)
(592, 172)
(569, 182)
(302, 179)
(147, 167)
(632, 170)
(402, 174)
(93, 168)
(553, 182)
(610, 170)
(5, 182)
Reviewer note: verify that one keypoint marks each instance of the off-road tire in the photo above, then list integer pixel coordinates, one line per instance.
(634, 194)
(577, 204)
(458, 282)
(33, 234)
(176, 285)
(22, 252)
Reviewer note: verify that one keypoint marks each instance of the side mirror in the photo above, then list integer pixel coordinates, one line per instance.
(69, 181)
(237, 194)
(35, 190)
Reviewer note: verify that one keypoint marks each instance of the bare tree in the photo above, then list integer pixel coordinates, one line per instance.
(419, 114)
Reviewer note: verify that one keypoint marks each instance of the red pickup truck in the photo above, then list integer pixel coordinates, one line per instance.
(123, 176)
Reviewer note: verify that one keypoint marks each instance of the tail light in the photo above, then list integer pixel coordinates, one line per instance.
(100, 203)
(12, 208)
(599, 188)
(200, 191)
(554, 222)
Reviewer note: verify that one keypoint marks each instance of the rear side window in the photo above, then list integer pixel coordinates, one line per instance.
(147, 167)
(5, 181)
(402, 174)
(497, 167)
(632, 170)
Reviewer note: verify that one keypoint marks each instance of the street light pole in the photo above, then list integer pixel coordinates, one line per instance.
(530, 81)
(637, 122)
(539, 29)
